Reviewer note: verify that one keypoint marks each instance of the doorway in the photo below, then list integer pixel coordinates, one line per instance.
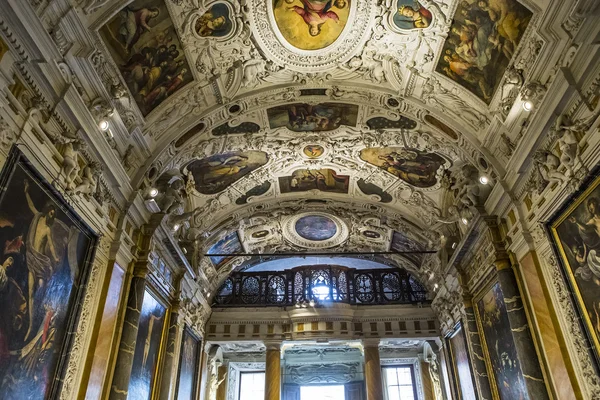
(325, 392)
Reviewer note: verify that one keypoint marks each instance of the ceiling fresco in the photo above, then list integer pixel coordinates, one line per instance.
(215, 173)
(143, 42)
(325, 180)
(415, 167)
(312, 118)
(311, 24)
(411, 15)
(483, 38)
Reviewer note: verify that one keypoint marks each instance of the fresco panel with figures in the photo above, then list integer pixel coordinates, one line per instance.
(143, 42)
(483, 38)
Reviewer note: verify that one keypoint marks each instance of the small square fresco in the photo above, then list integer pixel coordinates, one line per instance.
(229, 244)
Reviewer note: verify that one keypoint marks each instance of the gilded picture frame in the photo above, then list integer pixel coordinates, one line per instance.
(573, 231)
(42, 286)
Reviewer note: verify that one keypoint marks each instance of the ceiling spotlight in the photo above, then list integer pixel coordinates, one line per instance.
(176, 227)
(484, 179)
(208, 294)
(103, 125)
(527, 105)
(153, 192)
(465, 221)
(435, 287)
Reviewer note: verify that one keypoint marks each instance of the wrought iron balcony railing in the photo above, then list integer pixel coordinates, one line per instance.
(323, 283)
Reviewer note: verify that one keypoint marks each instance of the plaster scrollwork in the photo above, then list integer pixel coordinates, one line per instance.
(7, 134)
(436, 95)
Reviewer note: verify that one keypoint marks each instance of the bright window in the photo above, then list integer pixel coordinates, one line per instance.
(252, 386)
(327, 392)
(400, 382)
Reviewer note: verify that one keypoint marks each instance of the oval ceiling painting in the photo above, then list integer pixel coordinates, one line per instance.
(316, 227)
(215, 173)
(311, 24)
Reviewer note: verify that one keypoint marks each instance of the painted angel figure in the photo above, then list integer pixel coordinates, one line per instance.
(134, 23)
(315, 13)
(421, 17)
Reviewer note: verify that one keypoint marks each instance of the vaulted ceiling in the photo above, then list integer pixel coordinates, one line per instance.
(321, 125)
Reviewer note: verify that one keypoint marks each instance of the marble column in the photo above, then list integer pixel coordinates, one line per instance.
(222, 390)
(135, 297)
(273, 371)
(124, 363)
(169, 374)
(373, 379)
(428, 393)
(481, 377)
(519, 326)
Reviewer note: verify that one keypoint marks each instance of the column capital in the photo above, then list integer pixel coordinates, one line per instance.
(273, 344)
(371, 342)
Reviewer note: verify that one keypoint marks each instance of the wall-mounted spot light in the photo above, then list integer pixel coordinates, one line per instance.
(527, 105)
(484, 179)
(103, 125)
(184, 250)
(454, 244)
(176, 227)
(465, 221)
(208, 294)
(153, 192)
(311, 303)
(435, 287)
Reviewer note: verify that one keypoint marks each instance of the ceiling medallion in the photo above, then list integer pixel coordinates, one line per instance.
(310, 35)
(315, 230)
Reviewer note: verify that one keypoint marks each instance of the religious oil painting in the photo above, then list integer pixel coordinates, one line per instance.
(143, 42)
(325, 180)
(148, 347)
(415, 167)
(227, 245)
(500, 345)
(461, 365)
(316, 227)
(311, 24)
(189, 363)
(575, 232)
(410, 248)
(215, 173)
(410, 14)
(301, 117)
(483, 38)
(313, 151)
(106, 334)
(216, 22)
(44, 267)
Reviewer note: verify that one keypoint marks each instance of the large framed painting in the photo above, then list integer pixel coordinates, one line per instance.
(461, 363)
(483, 38)
(44, 267)
(575, 234)
(148, 347)
(143, 42)
(189, 365)
(499, 345)
(302, 117)
(105, 341)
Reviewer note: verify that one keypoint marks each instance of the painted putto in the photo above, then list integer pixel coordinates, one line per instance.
(483, 39)
(142, 40)
(311, 24)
